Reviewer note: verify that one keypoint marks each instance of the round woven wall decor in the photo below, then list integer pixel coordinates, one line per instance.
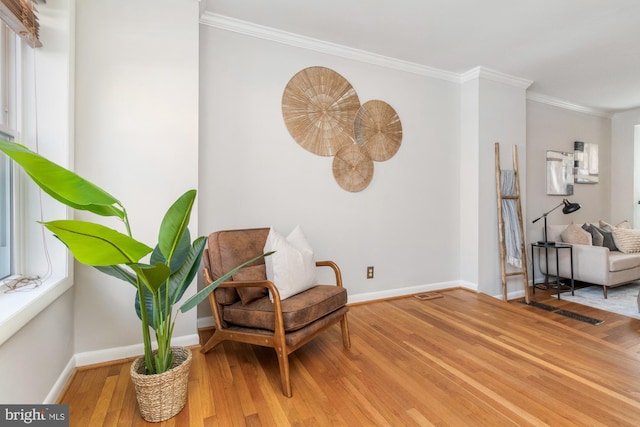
(353, 168)
(319, 107)
(378, 129)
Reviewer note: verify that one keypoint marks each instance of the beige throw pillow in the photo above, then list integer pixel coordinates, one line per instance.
(576, 235)
(627, 240)
(609, 227)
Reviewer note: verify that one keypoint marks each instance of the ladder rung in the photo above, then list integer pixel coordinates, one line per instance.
(510, 197)
(514, 273)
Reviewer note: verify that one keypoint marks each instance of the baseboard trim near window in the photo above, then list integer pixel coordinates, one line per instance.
(107, 355)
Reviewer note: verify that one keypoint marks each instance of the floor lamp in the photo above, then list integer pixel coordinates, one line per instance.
(567, 209)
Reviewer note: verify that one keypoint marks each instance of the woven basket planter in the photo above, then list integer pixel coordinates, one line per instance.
(162, 396)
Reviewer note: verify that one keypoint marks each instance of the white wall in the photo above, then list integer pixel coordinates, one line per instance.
(136, 136)
(503, 120)
(492, 111)
(625, 187)
(253, 173)
(553, 128)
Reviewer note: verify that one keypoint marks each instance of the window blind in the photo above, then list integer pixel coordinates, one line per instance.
(21, 16)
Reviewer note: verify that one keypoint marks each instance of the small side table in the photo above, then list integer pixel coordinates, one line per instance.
(556, 246)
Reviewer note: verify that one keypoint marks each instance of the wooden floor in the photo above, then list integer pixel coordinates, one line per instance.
(463, 359)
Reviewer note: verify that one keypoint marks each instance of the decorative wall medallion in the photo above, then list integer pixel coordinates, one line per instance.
(353, 168)
(377, 127)
(319, 107)
(322, 113)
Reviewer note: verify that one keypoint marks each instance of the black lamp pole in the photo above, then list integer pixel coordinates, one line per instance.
(568, 208)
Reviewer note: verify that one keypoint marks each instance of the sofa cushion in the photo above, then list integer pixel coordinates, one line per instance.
(252, 272)
(619, 261)
(576, 235)
(627, 240)
(597, 239)
(298, 311)
(230, 248)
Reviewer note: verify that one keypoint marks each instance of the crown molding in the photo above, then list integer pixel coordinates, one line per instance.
(496, 76)
(291, 39)
(549, 100)
(296, 40)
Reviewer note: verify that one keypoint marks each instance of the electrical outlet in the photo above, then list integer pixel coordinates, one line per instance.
(370, 272)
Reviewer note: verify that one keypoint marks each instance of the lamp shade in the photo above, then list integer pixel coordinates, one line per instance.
(570, 207)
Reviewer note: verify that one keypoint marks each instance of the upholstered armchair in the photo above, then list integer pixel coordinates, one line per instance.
(243, 311)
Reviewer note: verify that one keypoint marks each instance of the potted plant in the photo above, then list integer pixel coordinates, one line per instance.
(160, 283)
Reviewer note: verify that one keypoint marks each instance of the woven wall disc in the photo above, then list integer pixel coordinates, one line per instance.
(353, 168)
(378, 128)
(319, 107)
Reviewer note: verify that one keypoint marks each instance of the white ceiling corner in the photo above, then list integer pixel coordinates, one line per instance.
(579, 54)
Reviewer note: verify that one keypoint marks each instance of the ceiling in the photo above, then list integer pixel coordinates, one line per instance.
(582, 52)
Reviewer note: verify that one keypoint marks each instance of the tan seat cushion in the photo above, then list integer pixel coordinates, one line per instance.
(298, 310)
(619, 261)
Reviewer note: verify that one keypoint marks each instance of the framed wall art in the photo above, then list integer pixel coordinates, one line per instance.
(585, 158)
(559, 173)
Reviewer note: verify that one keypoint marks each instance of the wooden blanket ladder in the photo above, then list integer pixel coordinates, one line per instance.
(501, 225)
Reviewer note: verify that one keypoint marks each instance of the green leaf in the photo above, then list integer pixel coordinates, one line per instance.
(153, 276)
(97, 245)
(118, 272)
(175, 223)
(62, 184)
(180, 281)
(200, 296)
(179, 256)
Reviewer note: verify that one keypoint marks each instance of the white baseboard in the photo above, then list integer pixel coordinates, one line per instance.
(392, 293)
(107, 355)
(205, 322)
(57, 388)
(514, 294)
(116, 353)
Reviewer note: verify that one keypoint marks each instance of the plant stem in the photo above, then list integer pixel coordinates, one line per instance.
(148, 361)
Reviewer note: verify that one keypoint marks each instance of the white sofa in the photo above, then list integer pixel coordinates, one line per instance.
(592, 264)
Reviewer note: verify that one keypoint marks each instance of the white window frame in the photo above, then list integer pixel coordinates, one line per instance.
(49, 73)
(9, 105)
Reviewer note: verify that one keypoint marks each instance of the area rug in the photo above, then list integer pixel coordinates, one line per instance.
(621, 300)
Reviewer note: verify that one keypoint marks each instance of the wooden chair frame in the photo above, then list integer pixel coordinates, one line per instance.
(277, 339)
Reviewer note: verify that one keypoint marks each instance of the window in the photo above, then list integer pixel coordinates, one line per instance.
(8, 125)
(6, 217)
(35, 82)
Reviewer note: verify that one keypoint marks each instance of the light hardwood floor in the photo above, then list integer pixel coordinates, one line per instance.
(463, 359)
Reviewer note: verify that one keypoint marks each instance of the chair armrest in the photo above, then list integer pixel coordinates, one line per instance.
(335, 268)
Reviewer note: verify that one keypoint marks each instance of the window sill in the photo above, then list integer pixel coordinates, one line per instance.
(18, 308)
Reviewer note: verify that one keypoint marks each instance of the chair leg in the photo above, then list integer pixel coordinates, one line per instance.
(283, 361)
(346, 339)
(604, 291)
(215, 339)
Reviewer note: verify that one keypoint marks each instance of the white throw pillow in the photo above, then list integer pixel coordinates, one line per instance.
(292, 268)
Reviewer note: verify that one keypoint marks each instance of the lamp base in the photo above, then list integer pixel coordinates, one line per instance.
(543, 243)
